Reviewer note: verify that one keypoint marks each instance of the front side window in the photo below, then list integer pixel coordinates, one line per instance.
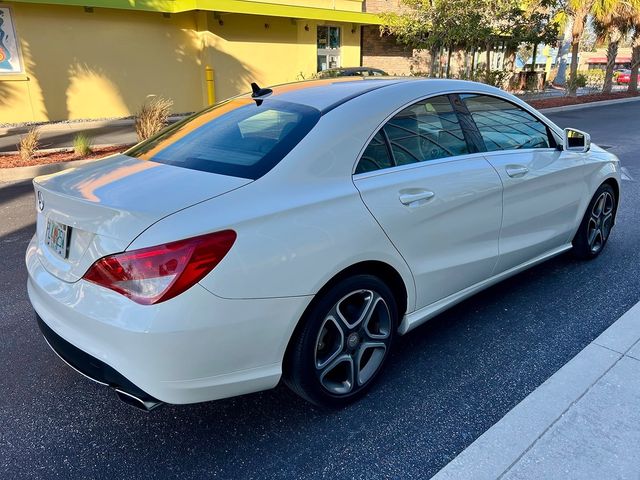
(240, 138)
(505, 126)
(427, 130)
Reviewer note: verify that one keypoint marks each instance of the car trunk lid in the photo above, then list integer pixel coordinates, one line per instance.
(107, 204)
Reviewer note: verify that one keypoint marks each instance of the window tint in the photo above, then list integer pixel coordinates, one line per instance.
(238, 138)
(376, 156)
(505, 126)
(426, 130)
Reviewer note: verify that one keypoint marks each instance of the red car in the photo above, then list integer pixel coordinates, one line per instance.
(625, 77)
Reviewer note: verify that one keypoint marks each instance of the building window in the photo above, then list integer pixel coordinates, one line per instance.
(328, 47)
(10, 61)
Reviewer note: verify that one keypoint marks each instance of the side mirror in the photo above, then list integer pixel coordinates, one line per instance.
(576, 140)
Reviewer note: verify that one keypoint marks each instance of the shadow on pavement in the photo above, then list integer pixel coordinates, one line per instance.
(13, 191)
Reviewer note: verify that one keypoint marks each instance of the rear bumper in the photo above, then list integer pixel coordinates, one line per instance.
(193, 348)
(94, 369)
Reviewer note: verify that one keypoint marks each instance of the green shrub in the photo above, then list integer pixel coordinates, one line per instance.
(593, 79)
(579, 82)
(82, 145)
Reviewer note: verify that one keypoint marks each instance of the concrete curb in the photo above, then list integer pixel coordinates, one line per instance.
(26, 173)
(580, 106)
(70, 149)
(501, 447)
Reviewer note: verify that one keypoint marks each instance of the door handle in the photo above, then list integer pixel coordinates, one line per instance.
(517, 171)
(408, 198)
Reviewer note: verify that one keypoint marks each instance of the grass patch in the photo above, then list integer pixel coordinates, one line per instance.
(82, 145)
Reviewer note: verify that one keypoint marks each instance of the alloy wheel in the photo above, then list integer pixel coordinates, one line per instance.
(352, 342)
(600, 222)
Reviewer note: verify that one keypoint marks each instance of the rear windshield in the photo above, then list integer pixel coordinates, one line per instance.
(241, 137)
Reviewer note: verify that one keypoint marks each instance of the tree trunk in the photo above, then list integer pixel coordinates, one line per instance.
(510, 65)
(577, 30)
(612, 53)
(533, 57)
(635, 60)
(488, 59)
(510, 59)
(473, 62)
(433, 52)
(449, 52)
(573, 69)
(563, 50)
(466, 64)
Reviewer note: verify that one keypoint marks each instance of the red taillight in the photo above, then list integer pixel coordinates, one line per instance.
(155, 274)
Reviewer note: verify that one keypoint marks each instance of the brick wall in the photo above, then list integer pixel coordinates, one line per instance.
(385, 53)
(379, 6)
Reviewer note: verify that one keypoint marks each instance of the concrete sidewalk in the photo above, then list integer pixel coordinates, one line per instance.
(582, 423)
(61, 135)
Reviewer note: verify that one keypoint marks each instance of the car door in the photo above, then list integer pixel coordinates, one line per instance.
(543, 185)
(436, 198)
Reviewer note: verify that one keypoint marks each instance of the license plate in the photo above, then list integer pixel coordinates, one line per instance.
(57, 237)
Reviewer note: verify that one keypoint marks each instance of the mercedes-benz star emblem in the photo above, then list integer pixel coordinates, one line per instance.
(40, 200)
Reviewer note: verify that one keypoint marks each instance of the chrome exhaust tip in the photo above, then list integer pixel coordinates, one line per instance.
(139, 403)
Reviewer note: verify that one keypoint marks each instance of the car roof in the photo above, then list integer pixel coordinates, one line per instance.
(329, 93)
(325, 94)
(349, 69)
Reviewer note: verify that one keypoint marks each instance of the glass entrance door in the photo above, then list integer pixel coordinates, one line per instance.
(328, 47)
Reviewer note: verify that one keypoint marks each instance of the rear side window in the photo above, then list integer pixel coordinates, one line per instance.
(238, 138)
(376, 156)
(427, 130)
(505, 126)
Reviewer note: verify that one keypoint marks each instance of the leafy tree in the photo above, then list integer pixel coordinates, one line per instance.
(613, 20)
(470, 25)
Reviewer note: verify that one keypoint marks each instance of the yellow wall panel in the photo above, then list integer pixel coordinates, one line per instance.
(102, 64)
(106, 63)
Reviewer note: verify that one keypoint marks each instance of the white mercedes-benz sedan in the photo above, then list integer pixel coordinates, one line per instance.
(293, 232)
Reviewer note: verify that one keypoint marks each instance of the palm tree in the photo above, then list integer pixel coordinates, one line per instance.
(579, 10)
(635, 55)
(564, 44)
(613, 20)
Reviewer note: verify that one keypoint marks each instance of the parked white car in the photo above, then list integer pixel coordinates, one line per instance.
(294, 232)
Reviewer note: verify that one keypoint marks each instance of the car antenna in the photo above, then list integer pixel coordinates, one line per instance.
(257, 92)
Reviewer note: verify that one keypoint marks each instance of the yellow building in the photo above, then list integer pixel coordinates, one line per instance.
(76, 59)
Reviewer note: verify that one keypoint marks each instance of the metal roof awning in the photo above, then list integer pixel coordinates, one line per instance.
(281, 10)
(225, 6)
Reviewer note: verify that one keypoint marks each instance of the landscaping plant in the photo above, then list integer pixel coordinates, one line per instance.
(29, 144)
(82, 145)
(152, 117)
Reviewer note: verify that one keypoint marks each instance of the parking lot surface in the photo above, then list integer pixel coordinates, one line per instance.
(446, 383)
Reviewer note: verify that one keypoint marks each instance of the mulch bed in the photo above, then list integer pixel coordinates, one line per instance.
(563, 101)
(40, 158)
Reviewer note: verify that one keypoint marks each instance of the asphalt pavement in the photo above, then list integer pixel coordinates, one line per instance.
(446, 383)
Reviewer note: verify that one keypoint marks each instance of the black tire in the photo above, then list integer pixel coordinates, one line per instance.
(316, 346)
(596, 225)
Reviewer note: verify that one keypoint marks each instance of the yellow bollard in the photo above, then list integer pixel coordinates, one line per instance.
(211, 89)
